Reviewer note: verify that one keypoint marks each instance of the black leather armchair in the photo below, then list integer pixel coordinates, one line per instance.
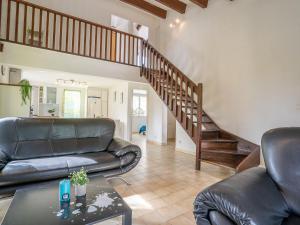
(258, 196)
(38, 150)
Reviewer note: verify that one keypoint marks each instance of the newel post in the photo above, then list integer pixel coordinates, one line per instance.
(199, 126)
(142, 58)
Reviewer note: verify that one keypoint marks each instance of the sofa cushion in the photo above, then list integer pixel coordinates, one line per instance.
(292, 220)
(33, 165)
(93, 162)
(97, 161)
(39, 169)
(28, 138)
(81, 136)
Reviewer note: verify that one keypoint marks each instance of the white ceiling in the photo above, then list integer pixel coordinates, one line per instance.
(42, 77)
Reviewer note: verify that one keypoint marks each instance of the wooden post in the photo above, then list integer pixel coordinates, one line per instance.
(142, 62)
(199, 125)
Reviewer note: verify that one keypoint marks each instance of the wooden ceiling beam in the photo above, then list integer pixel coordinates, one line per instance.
(148, 7)
(201, 3)
(176, 5)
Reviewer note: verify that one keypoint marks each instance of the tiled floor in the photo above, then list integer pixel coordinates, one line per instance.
(164, 186)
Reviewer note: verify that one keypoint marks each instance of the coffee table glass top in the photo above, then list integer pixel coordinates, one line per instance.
(42, 206)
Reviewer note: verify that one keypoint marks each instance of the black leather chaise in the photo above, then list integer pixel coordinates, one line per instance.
(258, 196)
(36, 150)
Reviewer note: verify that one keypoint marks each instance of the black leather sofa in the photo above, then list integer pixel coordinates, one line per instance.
(36, 150)
(258, 196)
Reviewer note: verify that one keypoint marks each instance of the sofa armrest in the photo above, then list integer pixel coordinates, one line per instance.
(248, 198)
(119, 148)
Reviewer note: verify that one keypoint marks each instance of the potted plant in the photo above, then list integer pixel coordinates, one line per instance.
(52, 112)
(25, 91)
(79, 179)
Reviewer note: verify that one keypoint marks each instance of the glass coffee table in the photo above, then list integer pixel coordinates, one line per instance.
(41, 205)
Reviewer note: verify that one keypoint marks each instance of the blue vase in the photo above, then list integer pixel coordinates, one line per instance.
(64, 190)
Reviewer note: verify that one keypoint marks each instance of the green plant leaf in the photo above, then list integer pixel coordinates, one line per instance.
(79, 177)
(25, 91)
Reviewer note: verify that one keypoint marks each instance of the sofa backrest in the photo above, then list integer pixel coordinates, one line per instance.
(281, 149)
(23, 138)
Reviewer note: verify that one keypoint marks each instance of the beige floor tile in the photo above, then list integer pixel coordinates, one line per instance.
(171, 211)
(181, 220)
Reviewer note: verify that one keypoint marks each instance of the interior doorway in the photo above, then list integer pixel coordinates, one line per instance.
(139, 112)
(127, 26)
(72, 104)
(171, 127)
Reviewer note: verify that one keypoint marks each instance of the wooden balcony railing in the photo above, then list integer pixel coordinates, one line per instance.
(32, 25)
(29, 24)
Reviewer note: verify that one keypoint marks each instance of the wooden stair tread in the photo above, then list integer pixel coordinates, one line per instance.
(220, 140)
(207, 122)
(226, 151)
(210, 130)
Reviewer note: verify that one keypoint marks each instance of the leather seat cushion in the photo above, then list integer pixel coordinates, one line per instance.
(21, 171)
(33, 165)
(292, 220)
(101, 159)
(93, 162)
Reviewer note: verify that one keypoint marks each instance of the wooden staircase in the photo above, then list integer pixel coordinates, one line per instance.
(184, 99)
(32, 25)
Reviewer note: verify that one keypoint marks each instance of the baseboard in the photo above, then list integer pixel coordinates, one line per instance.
(185, 151)
(156, 142)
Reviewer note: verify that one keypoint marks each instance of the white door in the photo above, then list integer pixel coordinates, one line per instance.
(94, 107)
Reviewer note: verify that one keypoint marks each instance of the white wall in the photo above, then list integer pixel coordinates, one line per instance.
(183, 141)
(24, 56)
(11, 102)
(4, 74)
(246, 53)
(118, 110)
(171, 125)
(157, 119)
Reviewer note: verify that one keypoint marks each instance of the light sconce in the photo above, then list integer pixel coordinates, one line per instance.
(175, 24)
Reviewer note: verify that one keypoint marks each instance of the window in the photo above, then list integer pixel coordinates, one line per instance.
(139, 103)
(51, 95)
(72, 102)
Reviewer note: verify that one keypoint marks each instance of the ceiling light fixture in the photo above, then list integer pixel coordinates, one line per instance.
(71, 82)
